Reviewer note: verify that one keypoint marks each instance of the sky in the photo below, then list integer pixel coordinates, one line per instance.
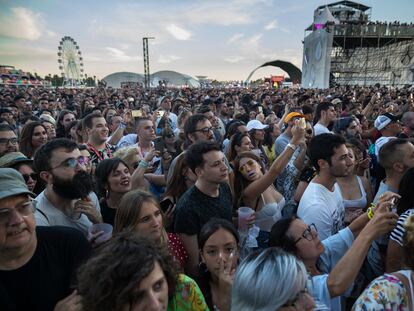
(220, 39)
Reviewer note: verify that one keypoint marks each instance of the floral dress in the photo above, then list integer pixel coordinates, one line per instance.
(187, 297)
(385, 293)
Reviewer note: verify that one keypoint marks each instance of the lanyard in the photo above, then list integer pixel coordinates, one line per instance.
(98, 154)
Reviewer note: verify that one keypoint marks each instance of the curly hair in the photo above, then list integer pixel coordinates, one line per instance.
(110, 278)
(409, 242)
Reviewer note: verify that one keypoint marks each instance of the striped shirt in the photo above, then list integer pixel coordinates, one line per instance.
(398, 233)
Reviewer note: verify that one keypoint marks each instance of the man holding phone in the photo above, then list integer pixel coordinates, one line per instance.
(164, 106)
(143, 140)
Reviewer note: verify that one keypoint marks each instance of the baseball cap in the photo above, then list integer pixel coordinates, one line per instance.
(255, 125)
(385, 119)
(12, 158)
(292, 115)
(47, 118)
(12, 183)
(336, 101)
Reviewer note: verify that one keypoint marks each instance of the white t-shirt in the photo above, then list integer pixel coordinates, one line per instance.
(322, 207)
(320, 129)
(48, 215)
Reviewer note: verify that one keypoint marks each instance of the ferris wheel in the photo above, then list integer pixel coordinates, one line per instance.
(70, 62)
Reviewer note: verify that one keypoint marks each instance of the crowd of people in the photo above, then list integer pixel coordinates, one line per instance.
(230, 198)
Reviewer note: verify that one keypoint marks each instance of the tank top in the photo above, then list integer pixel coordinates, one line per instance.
(269, 214)
(356, 203)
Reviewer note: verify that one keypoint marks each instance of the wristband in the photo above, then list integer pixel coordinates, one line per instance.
(291, 146)
(143, 164)
(370, 211)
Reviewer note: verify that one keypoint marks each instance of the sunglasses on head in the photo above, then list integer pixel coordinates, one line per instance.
(250, 163)
(33, 176)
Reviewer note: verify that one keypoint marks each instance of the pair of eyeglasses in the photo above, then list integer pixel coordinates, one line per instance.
(73, 162)
(25, 209)
(5, 141)
(249, 163)
(33, 176)
(307, 234)
(205, 130)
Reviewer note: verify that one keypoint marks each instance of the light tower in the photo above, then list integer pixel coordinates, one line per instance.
(146, 62)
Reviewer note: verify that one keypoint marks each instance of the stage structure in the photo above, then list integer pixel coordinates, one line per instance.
(342, 46)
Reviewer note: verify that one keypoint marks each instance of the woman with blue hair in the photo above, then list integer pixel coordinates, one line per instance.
(271, 280)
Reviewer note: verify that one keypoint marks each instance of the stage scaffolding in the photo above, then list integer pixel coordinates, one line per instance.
(342, 46)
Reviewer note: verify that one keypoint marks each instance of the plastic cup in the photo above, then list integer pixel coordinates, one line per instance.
(106, 230)
(244, 213)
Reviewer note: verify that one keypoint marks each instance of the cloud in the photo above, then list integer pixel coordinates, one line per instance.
(255, 39)
(220, 13)
(272, 25)
(235, 37)
(233, 59)
(22, 23)
(166, 59)
(51, 34)
(119, 55)
(178, 32)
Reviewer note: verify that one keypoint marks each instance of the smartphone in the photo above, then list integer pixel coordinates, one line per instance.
(156, 163)
(165, 205)
(136, 113)
(260, 109)
(159, 146)
(161, 113)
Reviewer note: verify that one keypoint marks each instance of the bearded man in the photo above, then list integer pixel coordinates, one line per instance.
(68, 199)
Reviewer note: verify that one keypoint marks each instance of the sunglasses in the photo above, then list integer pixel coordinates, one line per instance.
(73, 162)
(249, 163)
(33, 176)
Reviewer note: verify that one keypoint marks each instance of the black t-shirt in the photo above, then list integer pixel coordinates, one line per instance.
(49, 276)
(108, 214)
(195, 208)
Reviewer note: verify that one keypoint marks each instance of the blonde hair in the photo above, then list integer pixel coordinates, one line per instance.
(129, 209)
(409, 242)
(126, 154)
